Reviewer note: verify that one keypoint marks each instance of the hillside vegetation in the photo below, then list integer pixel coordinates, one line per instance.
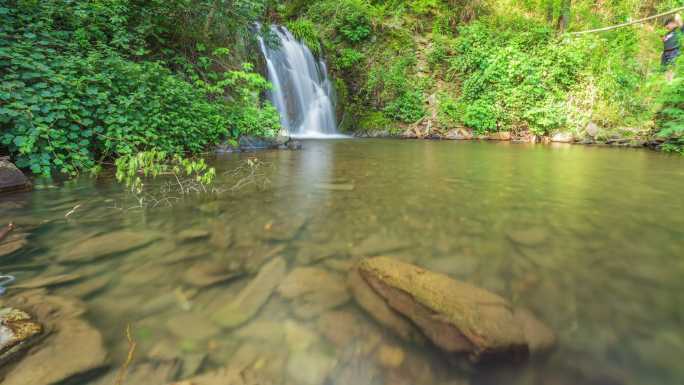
(482, 66)
(87, 82)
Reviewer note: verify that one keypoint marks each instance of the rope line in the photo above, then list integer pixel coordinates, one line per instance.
(604, 29)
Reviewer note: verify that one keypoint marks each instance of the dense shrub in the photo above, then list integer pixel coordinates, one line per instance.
(71, 99)
(353, 20)
(514, 80)
(670, 122)
(348, 58)
(407, 108)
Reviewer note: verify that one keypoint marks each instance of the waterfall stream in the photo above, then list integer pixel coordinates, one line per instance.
(302, 91)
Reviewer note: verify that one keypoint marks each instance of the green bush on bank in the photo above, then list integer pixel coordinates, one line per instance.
(71, 99)
(670, 122)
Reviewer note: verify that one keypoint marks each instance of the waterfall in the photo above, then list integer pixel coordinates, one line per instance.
(302, 91)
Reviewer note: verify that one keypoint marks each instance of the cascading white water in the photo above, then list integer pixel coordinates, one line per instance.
(302, 91)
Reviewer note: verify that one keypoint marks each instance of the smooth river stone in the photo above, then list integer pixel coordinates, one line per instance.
(105, 245)
(457, 317)
(313, 291)
(253, 296)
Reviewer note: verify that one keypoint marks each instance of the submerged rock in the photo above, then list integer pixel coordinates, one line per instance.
(390, 356)
(12, 243)
(17, 332)
(378, 308)
(253, 296)
(191, 235)
(191, 326)
(149, 373)
(210, 272)
(309, 368)
(105, 245)
(53, 280)
(72, 348)
(11, 179)
(313, 291)
(458, 318)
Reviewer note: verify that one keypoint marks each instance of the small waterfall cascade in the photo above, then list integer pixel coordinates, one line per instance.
(302, 91)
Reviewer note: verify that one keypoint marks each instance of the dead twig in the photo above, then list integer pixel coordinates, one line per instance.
(123, 371)
(6, 230)
(72, 211)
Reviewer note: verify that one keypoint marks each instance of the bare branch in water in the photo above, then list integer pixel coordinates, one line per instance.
(250, 173)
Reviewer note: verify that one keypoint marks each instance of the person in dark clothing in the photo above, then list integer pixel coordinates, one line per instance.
(671, 41)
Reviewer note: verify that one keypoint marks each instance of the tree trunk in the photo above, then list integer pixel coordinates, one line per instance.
(549, 11)
(564, 18)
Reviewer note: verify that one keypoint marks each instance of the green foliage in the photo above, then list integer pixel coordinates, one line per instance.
(353, 20)
(407, 108)
(305, 31)
(72, 99)
(348, 58)
(512, 79)
(189, 175)
(449, 111)
(373, 121)
(670, 122)
(422, 7)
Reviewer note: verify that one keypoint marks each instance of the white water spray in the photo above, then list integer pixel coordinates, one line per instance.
(302, 91)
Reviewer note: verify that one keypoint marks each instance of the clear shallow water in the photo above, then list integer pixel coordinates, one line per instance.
(590, 239)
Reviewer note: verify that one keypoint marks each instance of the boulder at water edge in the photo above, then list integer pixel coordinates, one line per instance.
(458, 318)
(11, 179)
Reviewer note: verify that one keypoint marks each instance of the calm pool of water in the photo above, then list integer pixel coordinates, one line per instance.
(590, 239)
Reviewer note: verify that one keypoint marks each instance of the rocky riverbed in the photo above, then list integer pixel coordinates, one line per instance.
(253, 286)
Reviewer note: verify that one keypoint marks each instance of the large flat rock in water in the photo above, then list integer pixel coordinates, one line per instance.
(11, 179)
(457, 317)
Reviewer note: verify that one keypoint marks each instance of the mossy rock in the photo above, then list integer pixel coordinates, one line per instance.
(457, 317)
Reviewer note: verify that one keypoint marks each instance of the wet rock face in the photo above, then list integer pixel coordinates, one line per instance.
(11, 179)
(458, 318)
